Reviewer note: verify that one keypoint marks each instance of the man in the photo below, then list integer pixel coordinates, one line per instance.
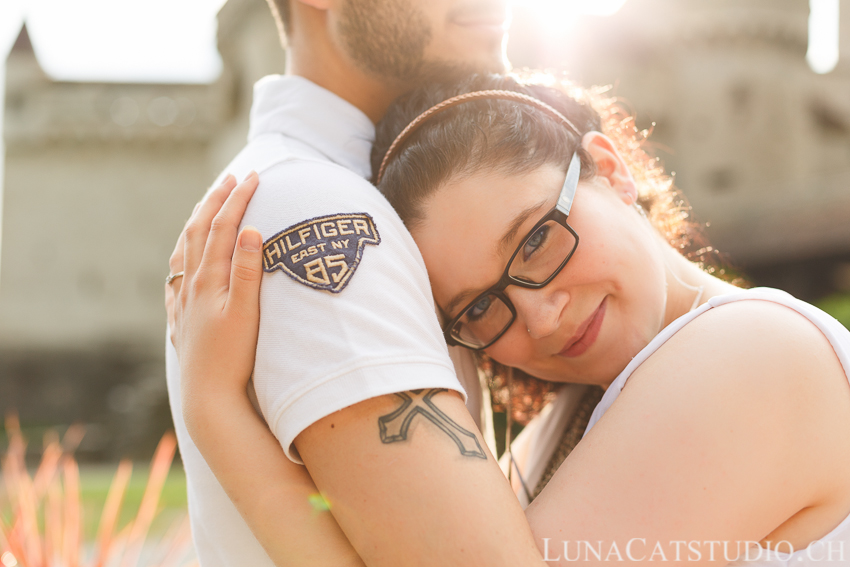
(352, 373)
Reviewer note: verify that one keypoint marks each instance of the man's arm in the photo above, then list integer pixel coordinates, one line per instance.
(411, 482)
(337, 344)
(408, 473)
(348, 321)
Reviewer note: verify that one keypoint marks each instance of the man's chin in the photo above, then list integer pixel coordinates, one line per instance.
(452, 71)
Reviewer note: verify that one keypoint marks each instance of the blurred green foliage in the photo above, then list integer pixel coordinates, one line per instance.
(837, 305)
(500, 427)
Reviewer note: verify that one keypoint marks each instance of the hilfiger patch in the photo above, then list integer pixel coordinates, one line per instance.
(322, 252)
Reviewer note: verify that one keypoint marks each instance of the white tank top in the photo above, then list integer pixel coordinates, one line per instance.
(831, 550)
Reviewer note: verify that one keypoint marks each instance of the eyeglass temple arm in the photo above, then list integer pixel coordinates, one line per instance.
(568, 191)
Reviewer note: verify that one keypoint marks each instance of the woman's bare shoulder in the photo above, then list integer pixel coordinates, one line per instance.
(761, 368)
(756, 355)
(746, 402)
(751, 344)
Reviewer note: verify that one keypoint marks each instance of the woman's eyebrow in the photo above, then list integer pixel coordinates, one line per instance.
(456, 300)
(515, 225)
(504, 242)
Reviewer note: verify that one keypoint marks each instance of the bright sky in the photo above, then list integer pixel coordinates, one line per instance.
(174, 40)
(125, 40)
(823, 35)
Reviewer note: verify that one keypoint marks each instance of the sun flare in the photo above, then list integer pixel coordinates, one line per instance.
(556, 16)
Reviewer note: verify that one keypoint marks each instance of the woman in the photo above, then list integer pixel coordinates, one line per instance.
(550, 246)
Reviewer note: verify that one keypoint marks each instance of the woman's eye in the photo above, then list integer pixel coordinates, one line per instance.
(537, 240)
(478, 310)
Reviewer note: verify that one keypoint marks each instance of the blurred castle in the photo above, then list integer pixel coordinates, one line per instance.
(100, 177)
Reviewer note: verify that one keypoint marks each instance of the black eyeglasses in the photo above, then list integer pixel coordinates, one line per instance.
(542, 255)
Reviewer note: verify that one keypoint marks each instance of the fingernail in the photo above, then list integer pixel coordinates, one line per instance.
(250, 240)
(247, 177)
(197, 206)
(229, 178)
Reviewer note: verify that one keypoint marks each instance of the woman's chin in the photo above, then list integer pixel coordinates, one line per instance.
(599, 365)
(616, 342)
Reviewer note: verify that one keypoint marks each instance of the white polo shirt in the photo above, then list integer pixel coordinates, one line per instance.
(346, 308)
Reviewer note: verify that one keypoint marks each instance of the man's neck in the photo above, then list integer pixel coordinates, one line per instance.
(325, 67)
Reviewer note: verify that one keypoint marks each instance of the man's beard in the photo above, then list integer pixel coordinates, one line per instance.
(388, 39)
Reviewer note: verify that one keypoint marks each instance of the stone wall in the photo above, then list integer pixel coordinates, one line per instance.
(99, 179)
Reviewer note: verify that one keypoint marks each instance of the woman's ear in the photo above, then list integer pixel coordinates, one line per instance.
(610, 165)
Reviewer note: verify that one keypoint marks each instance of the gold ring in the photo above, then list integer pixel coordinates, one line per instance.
(172, 277)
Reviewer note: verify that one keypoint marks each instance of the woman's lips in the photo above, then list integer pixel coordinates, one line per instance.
(586, 334)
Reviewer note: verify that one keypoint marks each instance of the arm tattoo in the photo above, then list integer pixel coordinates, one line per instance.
(395, 426)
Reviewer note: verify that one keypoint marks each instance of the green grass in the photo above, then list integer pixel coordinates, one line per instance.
(57, 507)
(95, 481)
(94, 486)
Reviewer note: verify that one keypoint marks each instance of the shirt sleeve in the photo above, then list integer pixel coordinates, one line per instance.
(346, 311)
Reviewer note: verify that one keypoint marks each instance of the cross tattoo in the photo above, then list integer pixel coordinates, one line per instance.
(395, 426)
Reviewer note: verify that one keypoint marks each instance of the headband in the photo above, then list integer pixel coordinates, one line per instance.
(454, 101)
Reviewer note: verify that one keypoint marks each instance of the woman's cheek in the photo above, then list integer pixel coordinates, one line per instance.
(513, 348)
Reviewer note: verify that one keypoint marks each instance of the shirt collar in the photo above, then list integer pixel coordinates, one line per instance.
(302, 110)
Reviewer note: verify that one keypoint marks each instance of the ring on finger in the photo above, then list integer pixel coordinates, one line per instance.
(172, 277)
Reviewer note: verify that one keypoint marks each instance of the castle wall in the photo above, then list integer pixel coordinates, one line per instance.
(100, 177)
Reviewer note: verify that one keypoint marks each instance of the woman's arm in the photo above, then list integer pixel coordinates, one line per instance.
(211, 308)
(737, 424)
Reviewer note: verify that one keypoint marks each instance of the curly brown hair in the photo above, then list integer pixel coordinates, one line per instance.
(507, 136)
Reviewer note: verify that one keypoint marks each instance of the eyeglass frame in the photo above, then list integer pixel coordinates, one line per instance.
(559, 213)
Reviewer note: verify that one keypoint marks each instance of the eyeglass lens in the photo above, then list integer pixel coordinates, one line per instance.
(542, 253)
(536, 260)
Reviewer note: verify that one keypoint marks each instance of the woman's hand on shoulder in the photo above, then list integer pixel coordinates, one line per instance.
(213, 309)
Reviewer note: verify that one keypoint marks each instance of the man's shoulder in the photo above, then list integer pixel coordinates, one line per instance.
(296, 179)
(276, 158)
(292, 189)
(303, 174)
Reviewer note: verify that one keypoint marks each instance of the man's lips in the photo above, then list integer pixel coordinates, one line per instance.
(495, 21)
(586, 334)
(481, 16)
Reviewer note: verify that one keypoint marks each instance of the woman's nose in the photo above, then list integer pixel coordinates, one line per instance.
(540, 310)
